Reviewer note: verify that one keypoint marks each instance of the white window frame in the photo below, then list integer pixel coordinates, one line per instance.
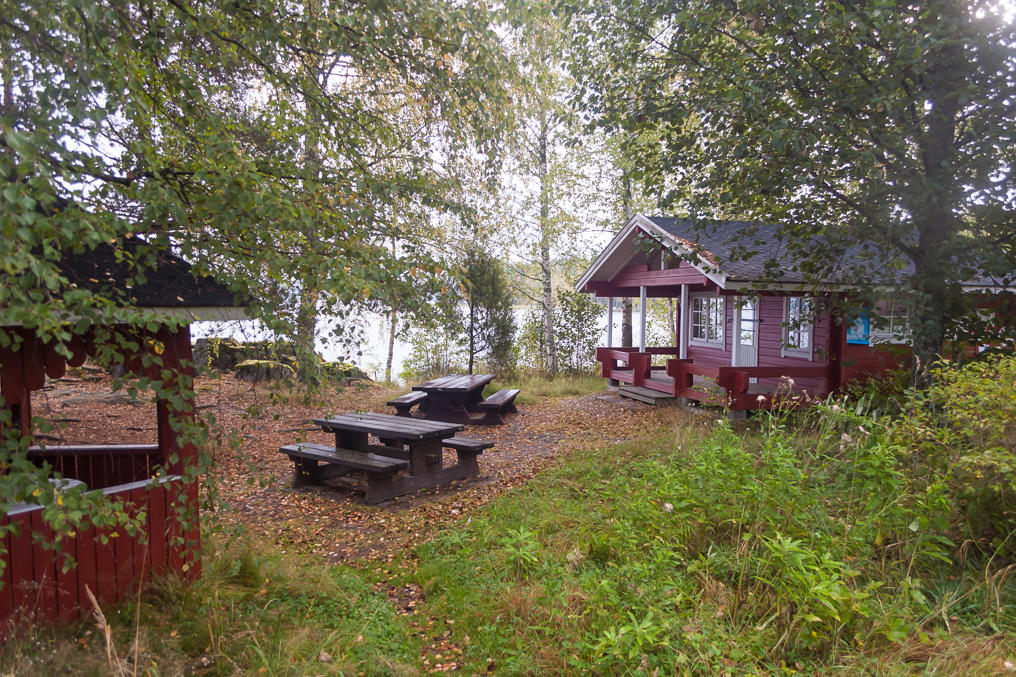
(897, 329)
(787, 349)
(721, 339)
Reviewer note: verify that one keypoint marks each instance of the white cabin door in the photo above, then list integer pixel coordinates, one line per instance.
(745, 353)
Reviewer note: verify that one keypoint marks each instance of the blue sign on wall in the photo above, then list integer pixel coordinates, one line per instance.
(860, 331)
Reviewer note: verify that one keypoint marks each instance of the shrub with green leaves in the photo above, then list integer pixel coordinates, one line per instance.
(961, 434)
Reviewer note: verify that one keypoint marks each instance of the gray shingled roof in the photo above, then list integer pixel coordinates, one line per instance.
(750, 251)
(169, 280)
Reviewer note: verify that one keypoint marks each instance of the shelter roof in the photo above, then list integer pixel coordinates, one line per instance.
(168, 281)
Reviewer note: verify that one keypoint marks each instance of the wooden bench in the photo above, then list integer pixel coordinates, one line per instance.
(467, 449)
(307, 455)
(406, 402)
(503, 401)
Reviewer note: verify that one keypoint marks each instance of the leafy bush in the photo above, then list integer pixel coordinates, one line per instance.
(433, 351)
(961, 434)
(576, 330)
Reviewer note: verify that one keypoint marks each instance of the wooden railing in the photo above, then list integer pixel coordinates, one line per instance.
(634, 371)
(733, 384)
(684, 372)
(637, 365)
(110, 562)
(100, 466)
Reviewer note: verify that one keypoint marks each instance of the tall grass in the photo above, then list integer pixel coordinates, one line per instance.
(830, 546)
(248, 614)
(536, 387)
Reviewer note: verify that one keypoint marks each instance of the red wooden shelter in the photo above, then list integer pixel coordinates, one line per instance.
(744, 339)
(156, 480)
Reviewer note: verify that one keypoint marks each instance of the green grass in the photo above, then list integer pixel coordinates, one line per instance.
(249, 614)
(708, 555)
(848, 544)
(536, 387)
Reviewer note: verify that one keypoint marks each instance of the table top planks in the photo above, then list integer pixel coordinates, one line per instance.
(389, 427)
(455, 383)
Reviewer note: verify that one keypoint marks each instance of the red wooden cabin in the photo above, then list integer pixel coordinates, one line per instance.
(156, 479)
(739, 339)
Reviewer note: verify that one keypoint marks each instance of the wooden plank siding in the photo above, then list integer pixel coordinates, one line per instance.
(100, 466)
(36, 589)
(642, 276)
(860, 361)
(770, 353)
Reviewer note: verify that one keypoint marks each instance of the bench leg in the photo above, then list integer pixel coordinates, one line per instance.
(467, 461)
(491, 417)
(305, 472)
(379, 487)
(403, 411)
(425, 456)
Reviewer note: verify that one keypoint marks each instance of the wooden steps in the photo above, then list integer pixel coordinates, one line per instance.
(646, 395)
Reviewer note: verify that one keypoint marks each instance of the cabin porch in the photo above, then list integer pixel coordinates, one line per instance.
(735, 388)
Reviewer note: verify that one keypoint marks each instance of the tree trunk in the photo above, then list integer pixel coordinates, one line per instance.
(626, 322)
(545, 239)
(306, 326)
(391, 328)
(306, 312)
(672, 321)
(626, 304)
(8, 95)
(391, 346)
(472, 334)
(934, 205)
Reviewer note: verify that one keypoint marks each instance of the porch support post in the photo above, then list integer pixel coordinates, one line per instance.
(682, 336)
(610, 322)
(642, 319)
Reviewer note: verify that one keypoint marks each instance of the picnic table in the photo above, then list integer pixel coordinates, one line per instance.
(408, 444)
(454, 397)
(458, 398)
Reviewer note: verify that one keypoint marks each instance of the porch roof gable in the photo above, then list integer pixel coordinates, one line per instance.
(615, 261)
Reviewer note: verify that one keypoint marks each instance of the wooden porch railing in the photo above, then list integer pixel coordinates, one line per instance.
(638, 365)
(733, 384)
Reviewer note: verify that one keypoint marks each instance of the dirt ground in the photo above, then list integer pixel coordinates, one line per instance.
(254, 481)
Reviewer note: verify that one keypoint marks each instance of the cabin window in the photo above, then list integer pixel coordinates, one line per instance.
(707, 320)
(798, 323)
(890, 322)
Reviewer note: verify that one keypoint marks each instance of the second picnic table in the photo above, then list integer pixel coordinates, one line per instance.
(454, 397)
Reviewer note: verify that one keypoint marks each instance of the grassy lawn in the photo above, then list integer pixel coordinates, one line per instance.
(693, 552)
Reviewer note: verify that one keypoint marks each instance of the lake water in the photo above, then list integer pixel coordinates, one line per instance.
(373, 347)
